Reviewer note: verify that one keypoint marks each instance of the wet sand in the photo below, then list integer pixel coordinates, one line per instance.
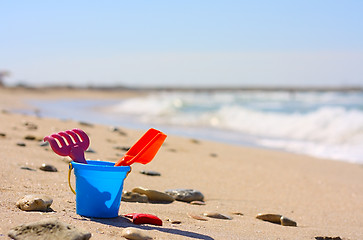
(323, 196)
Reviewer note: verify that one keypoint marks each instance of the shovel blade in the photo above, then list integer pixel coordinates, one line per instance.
(144, 150)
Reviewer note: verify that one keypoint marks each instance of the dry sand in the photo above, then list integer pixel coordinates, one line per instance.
(324, 197)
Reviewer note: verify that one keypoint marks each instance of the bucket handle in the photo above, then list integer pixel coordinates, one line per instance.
(69, 177)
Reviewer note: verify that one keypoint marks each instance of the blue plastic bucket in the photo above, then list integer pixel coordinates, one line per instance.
(98, 188)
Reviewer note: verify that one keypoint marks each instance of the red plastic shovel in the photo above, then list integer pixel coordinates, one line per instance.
(144, 150)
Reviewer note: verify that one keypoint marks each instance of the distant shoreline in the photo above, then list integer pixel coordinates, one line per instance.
(195, 89)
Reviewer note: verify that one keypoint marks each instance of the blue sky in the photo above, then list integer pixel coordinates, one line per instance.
(183, 43)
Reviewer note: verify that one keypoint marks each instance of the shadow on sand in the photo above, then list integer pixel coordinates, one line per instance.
(125, 222)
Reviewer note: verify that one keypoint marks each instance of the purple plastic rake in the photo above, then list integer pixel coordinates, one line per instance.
(70, 143)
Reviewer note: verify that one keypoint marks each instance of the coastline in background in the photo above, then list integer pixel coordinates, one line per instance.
(326, 124)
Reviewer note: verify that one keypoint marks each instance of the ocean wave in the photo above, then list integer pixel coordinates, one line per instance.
(321, 124)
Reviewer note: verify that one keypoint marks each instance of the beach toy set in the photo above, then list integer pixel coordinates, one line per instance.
(99, 184)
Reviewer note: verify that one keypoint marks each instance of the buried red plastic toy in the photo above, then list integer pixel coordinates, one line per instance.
(142, 218)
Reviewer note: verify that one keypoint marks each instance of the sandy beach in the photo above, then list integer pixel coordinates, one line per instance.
(324, 197)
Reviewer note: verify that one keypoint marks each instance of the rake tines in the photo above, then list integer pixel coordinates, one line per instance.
(70, 143)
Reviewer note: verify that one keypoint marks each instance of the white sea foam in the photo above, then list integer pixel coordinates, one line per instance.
(326, 125)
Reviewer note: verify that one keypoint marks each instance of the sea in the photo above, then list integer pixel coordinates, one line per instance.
(325, 124)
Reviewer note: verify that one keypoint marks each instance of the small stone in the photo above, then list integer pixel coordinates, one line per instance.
(153, 195)
(197, 217)
(217, 215)
(34, 203)
(150, 173)
(273, 218)
(48, 229)
(197, 203)
(21, 144)
(116, 129)
(86, 124)
(328, 238)
(30, 137)
(237, 213)
(122, 148)
(213, 155)
(48, 168)
(135, 234)
(287, 222)
(27, 168)
(2, 134)
(30, 125)
(195, 141)
(185, 195)
(174, 221)
(134, 197)
(44, 144)
(90, 150)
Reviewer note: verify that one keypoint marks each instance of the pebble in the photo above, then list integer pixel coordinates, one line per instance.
(287, 222)
(217, 215)
(153, 195)
(185, 195)
(273, 218)
(122, 148)
(31, 126)
(116, 129)
(21, 144)
(197, 203)
(90, 150)
(44, 144)
(237, 213)
(135, 234)
(128, 196)
(30, 137)
(34, 202)
(86, 124)
(197, 217)
(328, 238)
(27, 168)
(48, 168)
(48, 229)
(174, 221)
(150, 173)
(2, 134)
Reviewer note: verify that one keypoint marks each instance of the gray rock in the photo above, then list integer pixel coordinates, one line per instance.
(135, 234)
(150, 173)
(21, 144)
(34, 202)
(48, 168)
(185, 195)
(48, 229)
(44, 144)
(287, 222)
(217, 215)
(134, 197)
(153, 195)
